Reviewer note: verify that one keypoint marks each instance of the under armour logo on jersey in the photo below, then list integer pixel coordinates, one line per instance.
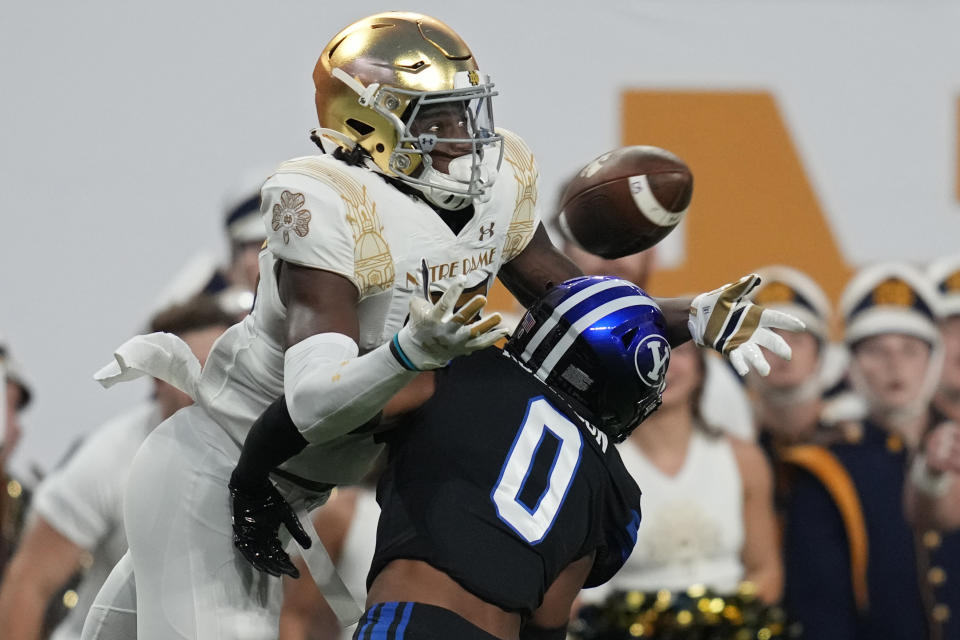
(486, 232)
(651, 358)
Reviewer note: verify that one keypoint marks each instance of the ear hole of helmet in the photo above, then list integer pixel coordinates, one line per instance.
(360, 127)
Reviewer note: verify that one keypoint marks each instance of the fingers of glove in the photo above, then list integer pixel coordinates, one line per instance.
(487, 339)
(484, 325)
(449, 299)
(772, 341)
(285, 565)
(292, 522)
(255, 557)
(754, 358)
(468, 312)
(739, 364)
(419, 308)
(779, 320)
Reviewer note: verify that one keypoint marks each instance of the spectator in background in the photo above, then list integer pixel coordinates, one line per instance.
(707, 505)
(15, 395)
(232, 284)
(933, 495)
(77, 519)
(946, 278)
(788, 402)
(853, 569)
(246, 234)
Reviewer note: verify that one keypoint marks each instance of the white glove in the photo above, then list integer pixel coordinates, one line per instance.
(435, 335)
(737, 328)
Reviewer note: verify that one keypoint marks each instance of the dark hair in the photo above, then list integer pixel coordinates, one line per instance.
(199, 312)
(355, 157)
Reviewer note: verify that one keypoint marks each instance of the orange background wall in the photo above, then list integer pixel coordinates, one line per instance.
(752, 203)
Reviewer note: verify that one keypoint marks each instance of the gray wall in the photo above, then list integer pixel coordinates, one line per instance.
(124, 123)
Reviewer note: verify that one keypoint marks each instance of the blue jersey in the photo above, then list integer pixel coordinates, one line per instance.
(496, 482)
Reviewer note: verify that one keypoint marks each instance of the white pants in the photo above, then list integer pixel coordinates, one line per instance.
(114, 614)
(190, 582)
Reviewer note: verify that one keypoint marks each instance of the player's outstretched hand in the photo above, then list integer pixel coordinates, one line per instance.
(737, 328)
(257, 516)
(437, 333)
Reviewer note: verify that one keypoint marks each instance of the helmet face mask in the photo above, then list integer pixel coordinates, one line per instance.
(598, 342)
(375, 78)
(474, 169)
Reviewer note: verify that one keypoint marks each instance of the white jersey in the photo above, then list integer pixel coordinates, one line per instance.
(692, 528)
(83, 501)
(324, 214)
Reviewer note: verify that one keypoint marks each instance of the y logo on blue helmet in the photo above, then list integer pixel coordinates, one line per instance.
(651, 359)
(598, 342)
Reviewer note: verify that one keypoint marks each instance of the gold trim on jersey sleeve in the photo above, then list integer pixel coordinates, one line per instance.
(373, 262)
(524, 220)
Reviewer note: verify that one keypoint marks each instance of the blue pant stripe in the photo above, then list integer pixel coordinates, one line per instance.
(404, 619)
(379, 631)
(370, 618)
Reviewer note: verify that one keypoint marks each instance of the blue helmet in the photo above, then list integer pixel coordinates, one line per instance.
(598, 342)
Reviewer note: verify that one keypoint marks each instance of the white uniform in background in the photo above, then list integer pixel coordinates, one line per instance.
(83, 502)
(324, 214)
(724, 403)
(692, 530)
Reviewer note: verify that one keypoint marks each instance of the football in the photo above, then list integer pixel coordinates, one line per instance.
(626, 201)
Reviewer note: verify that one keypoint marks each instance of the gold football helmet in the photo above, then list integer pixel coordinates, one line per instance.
(373, 79)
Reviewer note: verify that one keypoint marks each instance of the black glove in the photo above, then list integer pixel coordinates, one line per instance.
(257, 515)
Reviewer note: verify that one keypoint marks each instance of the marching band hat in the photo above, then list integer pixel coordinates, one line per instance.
(791, 291)
(890, 297)
(242, 206)
(945, 276)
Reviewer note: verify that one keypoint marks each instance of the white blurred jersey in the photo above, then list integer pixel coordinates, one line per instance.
(324, 214)
(83, 501)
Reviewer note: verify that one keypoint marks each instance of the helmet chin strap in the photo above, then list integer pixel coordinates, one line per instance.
(441, 188)
(320, 134)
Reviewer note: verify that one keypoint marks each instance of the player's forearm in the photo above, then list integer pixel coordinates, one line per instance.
(537, 268)
(676, 312)
(330, 391)
(273, 439)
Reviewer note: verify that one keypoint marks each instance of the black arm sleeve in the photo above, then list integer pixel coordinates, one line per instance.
(272, 440)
